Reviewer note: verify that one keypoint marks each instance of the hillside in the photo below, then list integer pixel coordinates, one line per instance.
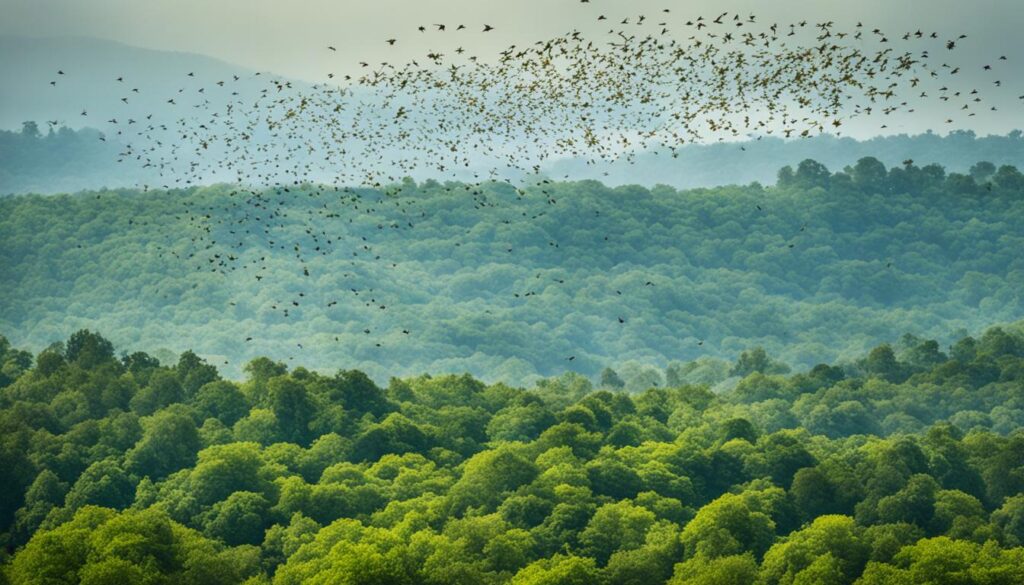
(897, 468)
(458, 278)
(704, 165)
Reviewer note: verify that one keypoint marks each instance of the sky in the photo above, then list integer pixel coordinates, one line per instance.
(290, 38)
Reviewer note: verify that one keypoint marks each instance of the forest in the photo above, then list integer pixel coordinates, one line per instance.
(905, 465)
(58, 159)
(507, 285)
(705, 165)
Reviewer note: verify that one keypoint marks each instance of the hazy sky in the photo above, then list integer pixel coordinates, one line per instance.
(288, 37)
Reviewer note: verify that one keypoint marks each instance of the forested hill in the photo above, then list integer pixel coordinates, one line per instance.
(758, 160)
(902, 467)
(454, 278)
(48, 159)
(40, 158)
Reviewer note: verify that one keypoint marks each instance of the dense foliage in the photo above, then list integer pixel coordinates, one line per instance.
(819, 268)
(905, 466)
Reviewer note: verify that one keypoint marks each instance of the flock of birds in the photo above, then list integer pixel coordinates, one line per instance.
(650, 83)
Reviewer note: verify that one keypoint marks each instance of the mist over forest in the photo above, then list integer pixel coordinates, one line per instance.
(47, 159)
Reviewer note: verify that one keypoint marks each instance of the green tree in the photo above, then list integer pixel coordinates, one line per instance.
(242, 518)
(221, 400)
(610, 379)
(831, 550)
(730, 525)
(292, 407)
(558, 570)
(162, 390)
(719, 570)
(88, 349)
(488, 478)
(103, 483)
(1010, 520)
(169, 442)
(618, 526)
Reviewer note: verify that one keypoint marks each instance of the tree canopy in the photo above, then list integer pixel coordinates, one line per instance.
(903, 466)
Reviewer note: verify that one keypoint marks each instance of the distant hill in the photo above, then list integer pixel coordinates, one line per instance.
(52, 160)
(61, 160)
(759, 160)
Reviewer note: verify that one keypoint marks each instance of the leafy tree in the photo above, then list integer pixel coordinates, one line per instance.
(942, 560)
(242, 518)
(224, 469)
(882, 362)
(356, 391)
(982, 171)
(869, 174)
(101, 546)
(163, 390)
(560, 570)
(348, 553)
(830, 550)
(756, 360)
(738, 428)
(730, 525)
(193, 372)
(292, 407)
(221, 400)
(810, 173)
(1010, 520)
(615, 527)
(103, 483)
(720, 570)
(46, 493)
(488, 478)
(913, 504)
(88, 349)
(610, 379)
(395, 434)
(169, 442)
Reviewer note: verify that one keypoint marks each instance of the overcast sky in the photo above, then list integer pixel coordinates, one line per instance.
(290, 37)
